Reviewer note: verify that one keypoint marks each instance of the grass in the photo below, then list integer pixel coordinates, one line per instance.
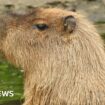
(11, 79)
(100, 22)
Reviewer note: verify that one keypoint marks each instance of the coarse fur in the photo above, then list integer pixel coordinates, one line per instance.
(60, 68)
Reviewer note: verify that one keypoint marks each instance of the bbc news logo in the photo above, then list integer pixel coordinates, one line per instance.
(6, 93)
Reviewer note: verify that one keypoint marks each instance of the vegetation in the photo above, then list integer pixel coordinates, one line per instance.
(11, 79)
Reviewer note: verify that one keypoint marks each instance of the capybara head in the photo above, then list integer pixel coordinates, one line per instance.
(62, 56)
(43, 30)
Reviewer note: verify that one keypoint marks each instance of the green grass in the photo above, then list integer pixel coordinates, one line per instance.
(103, 36)
(11, 79)
(100, 22)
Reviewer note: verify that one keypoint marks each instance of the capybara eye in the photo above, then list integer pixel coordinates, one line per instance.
(40, 27)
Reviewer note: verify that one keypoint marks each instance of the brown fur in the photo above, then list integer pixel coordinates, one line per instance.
(61, 68)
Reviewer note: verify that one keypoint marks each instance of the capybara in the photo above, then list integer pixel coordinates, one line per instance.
(62, 56)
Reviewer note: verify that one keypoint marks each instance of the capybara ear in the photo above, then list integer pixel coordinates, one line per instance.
(69, 23)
